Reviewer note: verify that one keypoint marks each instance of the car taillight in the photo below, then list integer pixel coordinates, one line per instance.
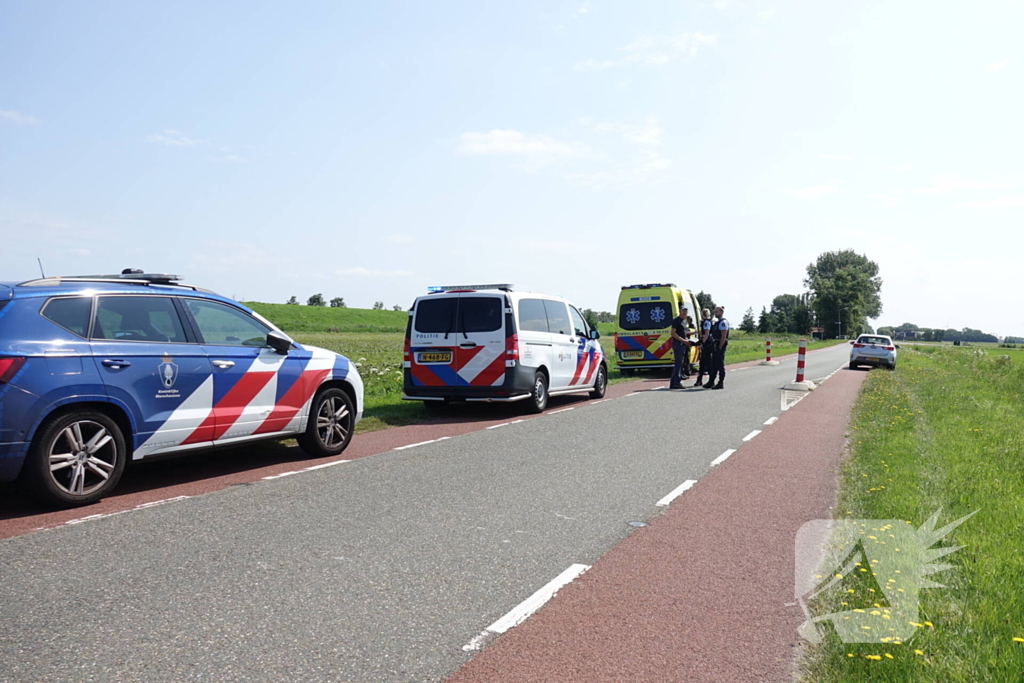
(858, 346)
(512, 348)
(407, 350)
(9, 368)
(889, 348)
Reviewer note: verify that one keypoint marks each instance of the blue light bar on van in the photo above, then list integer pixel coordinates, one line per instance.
(452, 288)
(649, 286)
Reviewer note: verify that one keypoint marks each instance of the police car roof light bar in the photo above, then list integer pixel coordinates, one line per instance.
(649, 286)
(468, 288)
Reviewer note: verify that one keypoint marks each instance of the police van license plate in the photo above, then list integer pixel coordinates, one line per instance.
(435, 357)
(632, 355)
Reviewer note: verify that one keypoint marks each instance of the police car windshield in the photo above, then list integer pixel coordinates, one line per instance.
(645, 315)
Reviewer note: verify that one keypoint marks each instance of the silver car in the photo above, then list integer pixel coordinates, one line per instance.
(873, 350)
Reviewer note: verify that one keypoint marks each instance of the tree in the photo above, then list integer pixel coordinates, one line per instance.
(705, 301)
(396, 307)
(780, 322)
(378, 305)
(338, 302)
(591, 316)
(292, 302)
(316, 300)
(847, 291)
(748, 325)
(606, 317)
(765, 322)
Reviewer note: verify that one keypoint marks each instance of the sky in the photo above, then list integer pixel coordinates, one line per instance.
(370, 150)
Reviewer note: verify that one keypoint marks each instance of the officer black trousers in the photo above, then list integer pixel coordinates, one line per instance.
(718, 367)
(707, 361)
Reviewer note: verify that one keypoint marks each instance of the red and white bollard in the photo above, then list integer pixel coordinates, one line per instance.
(768, 353)
(801, 384)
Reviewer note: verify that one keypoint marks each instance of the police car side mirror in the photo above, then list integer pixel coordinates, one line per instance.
(279, 342)
(594, 334)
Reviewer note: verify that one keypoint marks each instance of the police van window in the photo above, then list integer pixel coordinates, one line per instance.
(578, 323)
(481, 313)
(436, 315)
(532, 316)
(70, 313)
(137, 318)
(223, 325)
(558, 318)
(645, 315)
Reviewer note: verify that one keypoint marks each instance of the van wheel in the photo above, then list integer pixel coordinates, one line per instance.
(600, 382)
(76, 459)
(538, 400)
(330, 425)
(436, 406)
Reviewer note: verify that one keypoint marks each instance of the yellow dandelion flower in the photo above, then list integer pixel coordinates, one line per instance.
(929, 624)
(877, 658)
(889, 656)
(1018, 640)
(918, 652)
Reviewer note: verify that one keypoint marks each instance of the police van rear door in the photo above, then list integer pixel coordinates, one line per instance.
(480, 354)
(433, 341)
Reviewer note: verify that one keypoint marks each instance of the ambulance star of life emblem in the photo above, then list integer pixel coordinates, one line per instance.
(168, 371)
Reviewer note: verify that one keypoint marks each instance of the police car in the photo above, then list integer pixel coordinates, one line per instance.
(96, 370)
(491, 343)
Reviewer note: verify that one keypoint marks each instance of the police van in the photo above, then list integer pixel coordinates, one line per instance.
(643, 336)
(490, 343)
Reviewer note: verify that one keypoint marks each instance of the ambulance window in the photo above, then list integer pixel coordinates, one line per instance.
(436, 315)
(578, 323)
(480, 313)
(532, 316)
(558, 318)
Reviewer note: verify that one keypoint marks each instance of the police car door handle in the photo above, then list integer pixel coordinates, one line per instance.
(115, 364)
(223, 364)
(468, 345)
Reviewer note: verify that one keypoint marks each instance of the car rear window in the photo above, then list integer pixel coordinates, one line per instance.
(138, 318)
(71, 313)
(435, 315)
(874, 340)
(480, 313)
(645, 315)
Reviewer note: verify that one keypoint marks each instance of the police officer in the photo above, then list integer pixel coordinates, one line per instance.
(707, 349)
(680, 349)
(720, 335)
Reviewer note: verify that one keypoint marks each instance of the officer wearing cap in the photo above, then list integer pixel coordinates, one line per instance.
(720, 336)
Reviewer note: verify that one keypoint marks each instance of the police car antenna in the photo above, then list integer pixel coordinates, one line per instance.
(40, 261)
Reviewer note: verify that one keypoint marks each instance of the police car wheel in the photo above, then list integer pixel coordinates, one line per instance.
(538, 400)
(331, 423)
(436, 406)
(76, 459)
(600, 382)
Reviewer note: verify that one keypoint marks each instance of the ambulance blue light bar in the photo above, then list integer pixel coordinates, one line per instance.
(649, 286)
(457, 288)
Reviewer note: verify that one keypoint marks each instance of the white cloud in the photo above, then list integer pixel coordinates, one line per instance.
(81, 253)
(360, 271)
(515, 143)
(584, 8)
(1001, 203)
(996, 66)
(593, 65)
(943, 184)
(18, 118)
(816, 191)
(661, 49)
(399, 239)
(767, 14)
(647, 133)
(174, 138)
(650, 169)
(232, 158)
(836, 157)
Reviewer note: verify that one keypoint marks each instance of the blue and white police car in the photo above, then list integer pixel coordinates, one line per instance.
(97, 370)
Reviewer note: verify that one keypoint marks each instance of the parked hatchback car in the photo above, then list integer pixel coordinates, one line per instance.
(490, 343)
(873, 349)
(98, 370)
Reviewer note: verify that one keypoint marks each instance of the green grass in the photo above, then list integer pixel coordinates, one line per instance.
(293, 319)
(946, 431)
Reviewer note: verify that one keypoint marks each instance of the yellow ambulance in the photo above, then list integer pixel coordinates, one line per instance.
(643, 334)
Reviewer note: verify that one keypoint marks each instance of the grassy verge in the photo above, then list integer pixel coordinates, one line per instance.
(946, 431)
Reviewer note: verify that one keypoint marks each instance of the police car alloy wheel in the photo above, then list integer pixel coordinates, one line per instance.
(330, 426)
(600, 383)
(76, 459)
(538, 400)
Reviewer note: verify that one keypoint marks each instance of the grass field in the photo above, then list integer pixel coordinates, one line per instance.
(946, 431)
(293, 319)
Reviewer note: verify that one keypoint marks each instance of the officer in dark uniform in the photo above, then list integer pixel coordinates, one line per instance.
(720, 335)
(707, 349)
(680, 349)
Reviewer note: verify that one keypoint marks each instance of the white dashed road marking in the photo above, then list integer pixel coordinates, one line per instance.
(676, 492)
(422, 443)
(751, 435)
(771, 420)
(720, 459)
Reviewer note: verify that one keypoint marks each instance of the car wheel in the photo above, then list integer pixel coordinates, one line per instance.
(76, 459)
(853, 366)
(330, 425)
(538, 400)
(436, 406)
(600, 382)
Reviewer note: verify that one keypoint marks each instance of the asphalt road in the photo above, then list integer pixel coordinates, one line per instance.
(379, 569)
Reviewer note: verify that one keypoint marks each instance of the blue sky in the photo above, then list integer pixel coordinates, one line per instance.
(368, 150)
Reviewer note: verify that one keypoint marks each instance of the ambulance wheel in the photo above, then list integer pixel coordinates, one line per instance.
(626, 372)
(76, 459)
(538, 400)
(331, 423)
(600, 382)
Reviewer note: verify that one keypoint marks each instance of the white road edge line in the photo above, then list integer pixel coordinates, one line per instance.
(676, 492)
(603, 400)
(771, 420)
(503, 424)
(421, 443)
(326, 464)
(159, 502)
(751, 435)
(720, 459)
(523, 610)
(561, 410)
(633, 394)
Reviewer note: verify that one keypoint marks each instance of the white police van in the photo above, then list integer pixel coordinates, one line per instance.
(491, 343)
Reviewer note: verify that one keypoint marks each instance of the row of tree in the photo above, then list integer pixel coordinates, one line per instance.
(336, 302)
(912, 331)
